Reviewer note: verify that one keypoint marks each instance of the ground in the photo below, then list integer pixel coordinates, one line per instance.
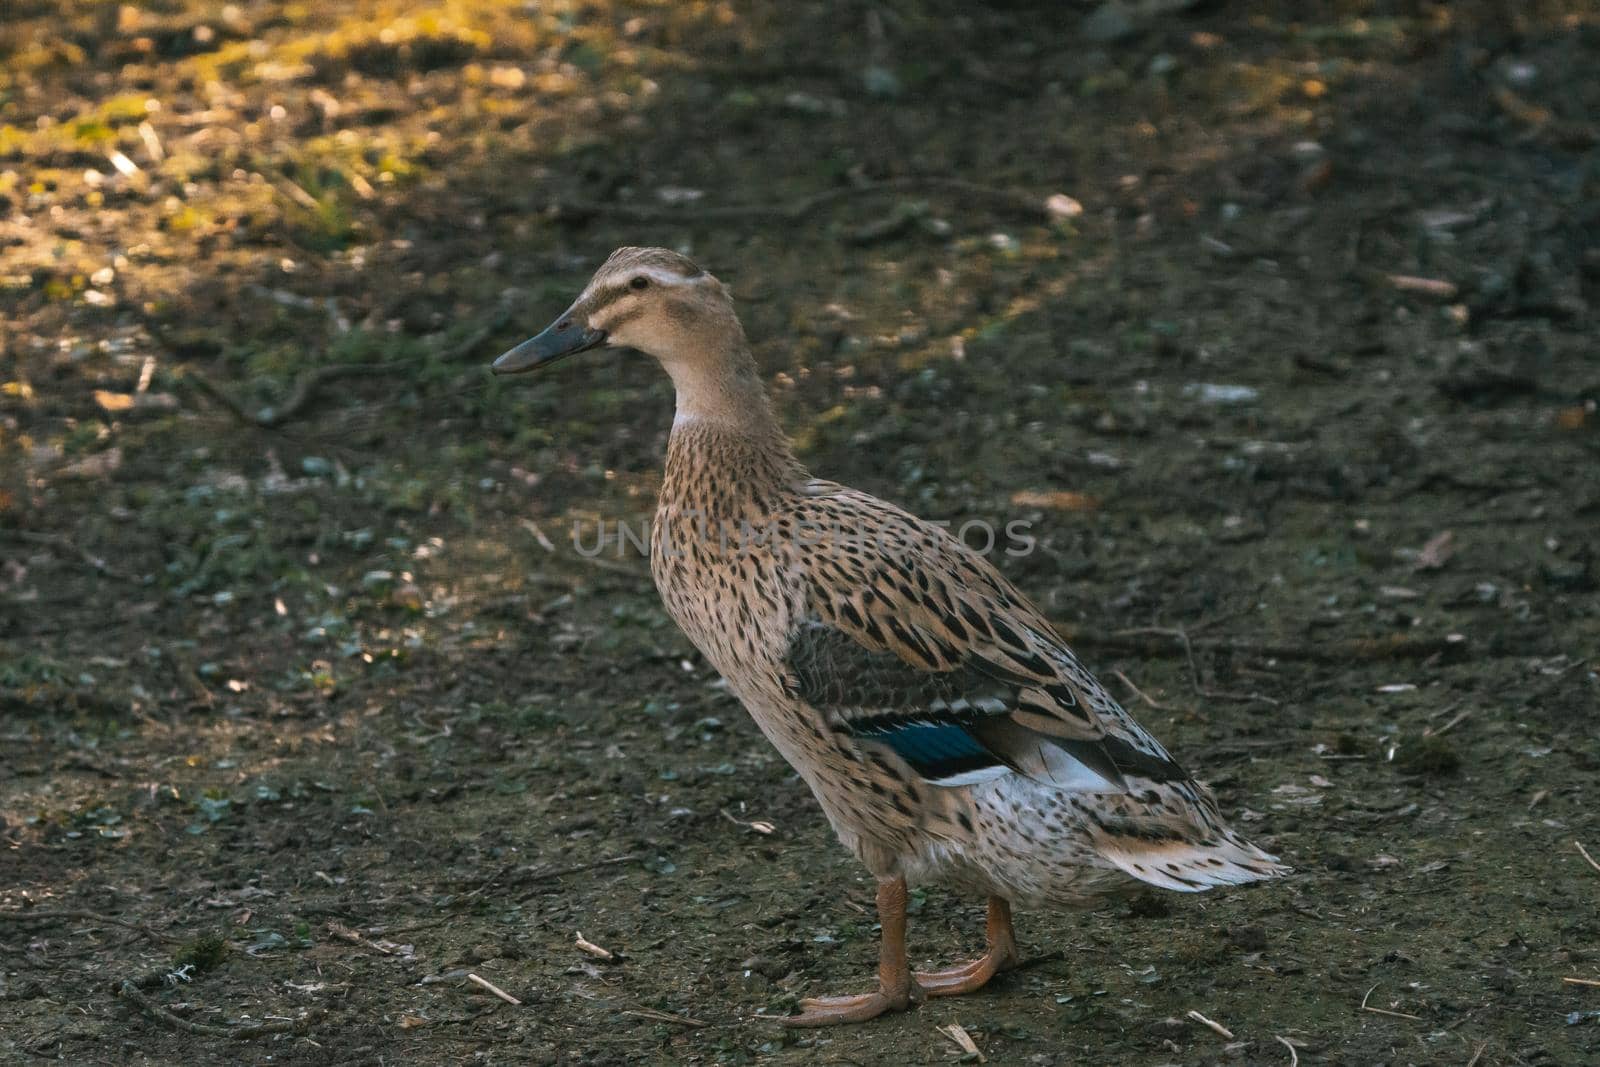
(309, 700)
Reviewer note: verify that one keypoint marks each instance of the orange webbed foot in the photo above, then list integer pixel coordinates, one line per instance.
(833, 1011)
(970, 977)
(967, 977)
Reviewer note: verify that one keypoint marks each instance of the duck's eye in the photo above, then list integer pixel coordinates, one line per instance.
(641, 282)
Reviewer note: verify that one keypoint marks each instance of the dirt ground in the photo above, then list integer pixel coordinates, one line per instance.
(310, 707)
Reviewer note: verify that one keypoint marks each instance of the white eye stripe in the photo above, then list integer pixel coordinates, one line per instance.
(623, 279)
(606, 300)
(656, 275)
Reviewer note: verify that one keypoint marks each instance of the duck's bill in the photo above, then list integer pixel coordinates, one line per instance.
(561, 339)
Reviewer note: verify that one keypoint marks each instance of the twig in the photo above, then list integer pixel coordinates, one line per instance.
(1163, 642)
(496, 990)
(408, 928)
(1452, 724)
(798, 210)
(1140, 693)
(613, 566)
(344, 933)
(1586, 855)
(1477, 1054)
(1294, 1057)
(535, 874)
(47, 914)
(306, 385)
(1535, 698)
(1382, 1011)
(585, 945)
(1211, 1024)
(1194, 668)
(295, 192)
(304, 388)
(1437, 288)
(129, 991)
(1035, 961)
(664, 1017)
(1583, 981)
(760, 826)
(1540, 120)
(491, 880)
(470, 343)
(96, 563)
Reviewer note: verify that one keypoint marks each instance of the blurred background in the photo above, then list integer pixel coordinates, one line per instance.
(1274, 321)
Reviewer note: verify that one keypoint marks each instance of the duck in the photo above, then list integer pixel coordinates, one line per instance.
(948, 733)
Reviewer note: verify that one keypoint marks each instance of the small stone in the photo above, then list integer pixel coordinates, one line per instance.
(1521, 74)
(765, 966)
(677, 194)
(406, 595)
(1216, 393)
(808, 104)
(1572, 575)
(1061, 207)
(1108, 23)
(480, 953)
(1247, 938)
(880, 82)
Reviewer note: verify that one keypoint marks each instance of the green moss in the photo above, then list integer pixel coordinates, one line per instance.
(202, 953)
(1349, 745)
(1429, 757)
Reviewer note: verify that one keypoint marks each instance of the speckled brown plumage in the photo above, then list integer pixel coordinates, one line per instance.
(947, 732)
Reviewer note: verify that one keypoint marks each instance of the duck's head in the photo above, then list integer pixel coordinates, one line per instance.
(650, 299)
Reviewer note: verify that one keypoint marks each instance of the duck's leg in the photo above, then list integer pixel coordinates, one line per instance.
(1002, 956)
(896, 990)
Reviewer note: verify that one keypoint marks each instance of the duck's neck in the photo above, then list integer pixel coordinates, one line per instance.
(725, 391)
(726, 448)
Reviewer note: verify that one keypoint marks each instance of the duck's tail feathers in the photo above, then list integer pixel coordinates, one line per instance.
(1189, 866)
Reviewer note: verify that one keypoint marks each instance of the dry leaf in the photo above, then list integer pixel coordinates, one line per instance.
(1572, 418)
(1436, 553)
(958, 1033)
(1059, 499)
(113, 402)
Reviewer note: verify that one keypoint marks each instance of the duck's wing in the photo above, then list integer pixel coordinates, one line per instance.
(915, 642)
